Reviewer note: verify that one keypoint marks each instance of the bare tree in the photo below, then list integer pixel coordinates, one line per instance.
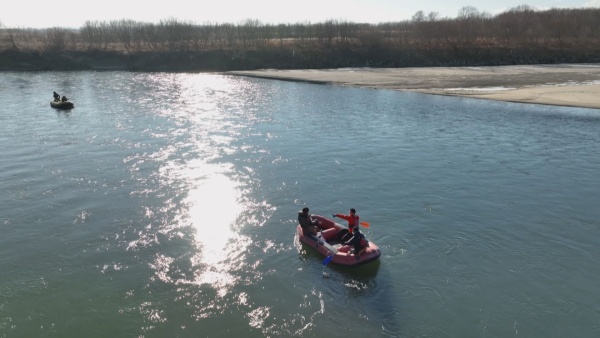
(56, 38)
(517, 24)
(425, 26)
(471, 24)
(522, 29)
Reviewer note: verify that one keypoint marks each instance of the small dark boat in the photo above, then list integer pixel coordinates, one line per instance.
(62, 105)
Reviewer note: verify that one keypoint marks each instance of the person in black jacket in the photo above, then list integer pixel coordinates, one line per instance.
(56, 97)
(358, 240)
(308, 224)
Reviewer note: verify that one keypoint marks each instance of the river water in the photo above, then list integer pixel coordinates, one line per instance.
(164, 205)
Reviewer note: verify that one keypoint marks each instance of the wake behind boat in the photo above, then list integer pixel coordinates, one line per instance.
(328, 244)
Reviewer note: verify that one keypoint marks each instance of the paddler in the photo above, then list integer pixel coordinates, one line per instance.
(353, 222)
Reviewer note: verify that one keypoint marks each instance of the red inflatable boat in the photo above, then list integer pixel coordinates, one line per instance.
(329, 246)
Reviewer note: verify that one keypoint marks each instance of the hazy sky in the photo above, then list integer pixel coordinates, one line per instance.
(74, 13)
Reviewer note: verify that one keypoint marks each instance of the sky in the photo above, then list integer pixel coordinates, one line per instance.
(74, 13)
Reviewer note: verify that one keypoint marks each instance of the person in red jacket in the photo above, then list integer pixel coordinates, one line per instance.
(353, 221)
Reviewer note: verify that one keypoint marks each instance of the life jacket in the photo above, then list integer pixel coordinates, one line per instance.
(352, 221)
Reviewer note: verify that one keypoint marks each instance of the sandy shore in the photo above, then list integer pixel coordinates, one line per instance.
(574, 85)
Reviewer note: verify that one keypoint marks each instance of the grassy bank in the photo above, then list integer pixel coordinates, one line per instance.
(219, 60)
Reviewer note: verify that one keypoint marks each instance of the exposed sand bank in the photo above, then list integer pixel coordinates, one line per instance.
(574, 85)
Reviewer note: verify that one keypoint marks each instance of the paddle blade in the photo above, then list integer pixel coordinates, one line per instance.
(365, 224)
(327, 260)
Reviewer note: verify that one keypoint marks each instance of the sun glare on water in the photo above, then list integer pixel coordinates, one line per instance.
(208, 193)
(213, 210)
(213, 198)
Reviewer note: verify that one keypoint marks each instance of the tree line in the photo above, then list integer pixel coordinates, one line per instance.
(519, 28)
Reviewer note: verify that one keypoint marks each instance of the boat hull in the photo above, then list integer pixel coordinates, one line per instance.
(327, 245)
(62, 105)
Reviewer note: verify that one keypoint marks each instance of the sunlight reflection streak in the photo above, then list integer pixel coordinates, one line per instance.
(203, 201)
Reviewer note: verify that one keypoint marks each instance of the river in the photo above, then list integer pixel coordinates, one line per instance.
(164, 205)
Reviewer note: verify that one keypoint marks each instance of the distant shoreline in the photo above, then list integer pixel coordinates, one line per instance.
(571, 85)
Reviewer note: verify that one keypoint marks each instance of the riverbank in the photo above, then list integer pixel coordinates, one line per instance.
(573, 85)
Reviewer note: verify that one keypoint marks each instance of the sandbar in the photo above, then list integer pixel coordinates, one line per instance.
(572, 85)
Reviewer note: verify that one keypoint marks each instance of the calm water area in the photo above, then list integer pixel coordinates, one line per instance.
(164, 205)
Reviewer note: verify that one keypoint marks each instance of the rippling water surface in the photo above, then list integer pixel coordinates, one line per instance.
(164, 205)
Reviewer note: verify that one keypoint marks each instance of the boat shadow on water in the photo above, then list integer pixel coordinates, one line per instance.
(365, 286)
